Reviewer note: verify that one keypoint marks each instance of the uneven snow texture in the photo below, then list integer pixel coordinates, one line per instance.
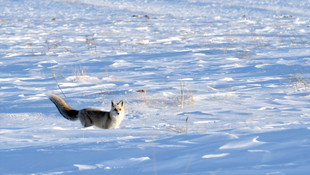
(210, 87)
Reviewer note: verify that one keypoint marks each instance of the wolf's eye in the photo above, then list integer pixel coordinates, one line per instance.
(115, 110)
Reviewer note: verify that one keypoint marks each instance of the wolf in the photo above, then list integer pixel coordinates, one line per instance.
(88, 116)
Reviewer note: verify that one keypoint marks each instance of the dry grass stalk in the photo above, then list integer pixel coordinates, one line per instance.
(54, 76)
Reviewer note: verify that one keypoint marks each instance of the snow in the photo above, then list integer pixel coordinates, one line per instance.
(210, 87)
(209, 156)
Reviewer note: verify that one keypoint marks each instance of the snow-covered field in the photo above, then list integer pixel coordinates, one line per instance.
(210, 86)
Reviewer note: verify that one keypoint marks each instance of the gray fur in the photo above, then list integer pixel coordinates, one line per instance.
(89, 117)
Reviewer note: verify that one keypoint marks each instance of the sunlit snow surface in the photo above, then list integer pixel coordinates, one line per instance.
(242, 67)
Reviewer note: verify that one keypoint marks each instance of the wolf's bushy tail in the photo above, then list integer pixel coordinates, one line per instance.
(64, 109)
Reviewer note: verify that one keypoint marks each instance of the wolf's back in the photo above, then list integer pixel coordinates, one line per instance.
(64, 109)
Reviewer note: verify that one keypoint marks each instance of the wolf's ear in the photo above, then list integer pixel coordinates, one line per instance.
(113, 103)
(121, 103)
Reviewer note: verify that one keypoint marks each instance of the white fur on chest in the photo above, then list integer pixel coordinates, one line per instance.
(116, 120)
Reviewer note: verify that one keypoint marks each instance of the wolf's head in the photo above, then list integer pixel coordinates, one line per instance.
(117, 114)
(117, 109)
